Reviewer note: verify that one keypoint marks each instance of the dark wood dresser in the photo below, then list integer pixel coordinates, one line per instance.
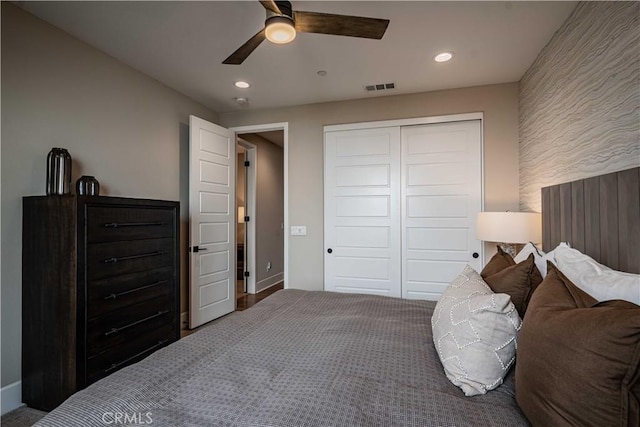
(100, 289)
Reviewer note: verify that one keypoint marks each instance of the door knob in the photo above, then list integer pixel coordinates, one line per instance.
(475, 255)
(329, 250)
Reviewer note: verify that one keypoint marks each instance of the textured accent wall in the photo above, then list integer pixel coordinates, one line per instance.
(580, 100)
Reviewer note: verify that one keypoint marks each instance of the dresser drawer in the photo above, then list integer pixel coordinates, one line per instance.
(116, 258)
(117, 328)
(112, 359)
(113, 223)
(118, 292)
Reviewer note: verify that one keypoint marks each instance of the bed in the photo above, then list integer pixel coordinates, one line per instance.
(298, 358)
(302, 358)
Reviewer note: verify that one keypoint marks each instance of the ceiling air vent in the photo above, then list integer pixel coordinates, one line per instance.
(380, 86)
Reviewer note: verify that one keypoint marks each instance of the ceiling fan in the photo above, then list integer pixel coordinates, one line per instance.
(283, 22)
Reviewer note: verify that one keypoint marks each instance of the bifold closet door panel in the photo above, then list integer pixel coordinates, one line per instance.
(441, 196)
(362, 211)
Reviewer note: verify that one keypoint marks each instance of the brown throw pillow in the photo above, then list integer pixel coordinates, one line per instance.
(519, 281)
(578, 360)
(498, 262)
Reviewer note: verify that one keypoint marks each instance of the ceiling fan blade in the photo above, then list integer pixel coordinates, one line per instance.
(271, 5)
(238, 57)
(340, 25)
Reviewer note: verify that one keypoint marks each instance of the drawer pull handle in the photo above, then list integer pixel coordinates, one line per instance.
(132, 224)
(130, 257)
(137, 322)
(141, 288)
(127, 360)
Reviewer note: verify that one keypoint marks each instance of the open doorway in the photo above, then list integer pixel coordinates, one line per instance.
(261, 215)
(246, 220)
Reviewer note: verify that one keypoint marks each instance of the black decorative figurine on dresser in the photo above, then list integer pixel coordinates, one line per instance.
(87, 185)
(58, 172)
(100, 289)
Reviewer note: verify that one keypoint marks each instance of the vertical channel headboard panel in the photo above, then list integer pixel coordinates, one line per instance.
(599, 216)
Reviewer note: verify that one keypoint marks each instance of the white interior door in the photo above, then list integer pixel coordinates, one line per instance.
(211, 221)
(362, 211)
(441, 198)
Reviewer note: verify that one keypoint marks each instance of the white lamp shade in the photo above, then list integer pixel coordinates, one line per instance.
(509, 227)
(240, 214)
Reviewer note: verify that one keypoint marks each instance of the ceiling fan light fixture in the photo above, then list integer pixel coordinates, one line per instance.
(280, 30)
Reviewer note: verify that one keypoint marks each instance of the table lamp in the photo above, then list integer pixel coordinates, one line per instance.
(509, 228)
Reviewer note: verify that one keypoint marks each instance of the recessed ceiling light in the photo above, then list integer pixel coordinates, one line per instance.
(241, 84)
(322, 73)
(443, 57)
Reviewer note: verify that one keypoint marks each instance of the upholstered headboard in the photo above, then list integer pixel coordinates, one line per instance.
(599, 216)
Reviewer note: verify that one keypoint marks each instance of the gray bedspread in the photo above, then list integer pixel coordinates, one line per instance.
(295, 359)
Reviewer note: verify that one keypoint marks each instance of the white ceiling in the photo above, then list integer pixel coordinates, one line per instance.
(183, 44)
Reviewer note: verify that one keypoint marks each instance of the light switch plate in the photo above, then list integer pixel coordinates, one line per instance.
(298, 230)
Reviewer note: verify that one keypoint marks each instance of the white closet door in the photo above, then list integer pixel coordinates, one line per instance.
(362, 211)
(441, 197)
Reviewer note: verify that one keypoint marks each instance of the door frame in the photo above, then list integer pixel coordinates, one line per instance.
(406, 122)
(283, 126)
(250, 201)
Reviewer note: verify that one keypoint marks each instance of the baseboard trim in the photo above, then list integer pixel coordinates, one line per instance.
(269, 282)
(11, 397)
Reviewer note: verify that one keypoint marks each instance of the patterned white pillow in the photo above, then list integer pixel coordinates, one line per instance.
(475, 333)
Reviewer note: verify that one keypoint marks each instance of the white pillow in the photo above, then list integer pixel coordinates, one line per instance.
(475, 331)
(599, 281)
(540, 258)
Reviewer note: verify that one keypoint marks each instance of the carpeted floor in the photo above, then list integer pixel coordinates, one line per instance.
(21, 417)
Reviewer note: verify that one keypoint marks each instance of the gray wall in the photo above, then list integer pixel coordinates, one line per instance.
(131, 133)
(270, 211)
(499, 103)
(580, 100)
(119, 125)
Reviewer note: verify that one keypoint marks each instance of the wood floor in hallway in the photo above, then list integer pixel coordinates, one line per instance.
(247, 300)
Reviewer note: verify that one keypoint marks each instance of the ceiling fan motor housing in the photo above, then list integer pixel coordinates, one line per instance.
(277, 18)
(285, 8)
